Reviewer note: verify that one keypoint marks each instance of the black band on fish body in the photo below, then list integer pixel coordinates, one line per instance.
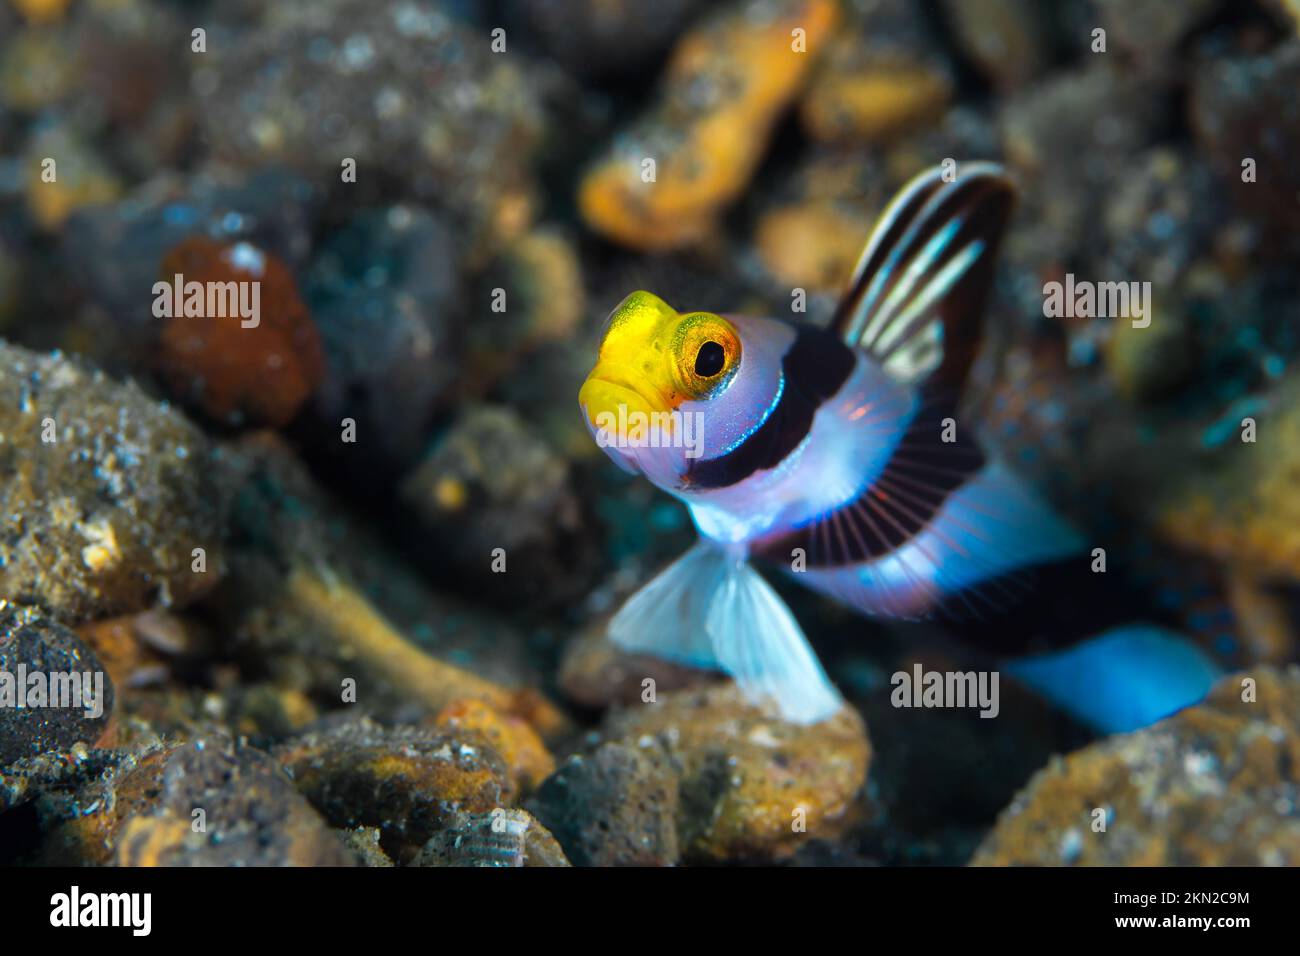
(1047, 607)
(813, 369)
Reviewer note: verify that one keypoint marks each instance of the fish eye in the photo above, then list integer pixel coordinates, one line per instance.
(710, 359)
(705, 353)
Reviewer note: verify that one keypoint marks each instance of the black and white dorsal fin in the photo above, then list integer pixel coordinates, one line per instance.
(917, 297)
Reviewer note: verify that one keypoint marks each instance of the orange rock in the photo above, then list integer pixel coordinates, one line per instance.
(812, 245)
(883, 75)
(114, 641)
(726, 85)
(526, 757)
(874, 103)
(42, 11)
(257, 369)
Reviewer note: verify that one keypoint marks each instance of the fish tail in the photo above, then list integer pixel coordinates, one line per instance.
(1123, 679)
(710, 609)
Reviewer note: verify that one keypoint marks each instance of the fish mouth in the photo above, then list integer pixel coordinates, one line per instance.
(617, 408)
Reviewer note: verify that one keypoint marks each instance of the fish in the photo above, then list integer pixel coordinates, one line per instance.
(843, 455)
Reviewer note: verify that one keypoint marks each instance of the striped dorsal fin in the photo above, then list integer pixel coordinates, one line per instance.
(916, 300)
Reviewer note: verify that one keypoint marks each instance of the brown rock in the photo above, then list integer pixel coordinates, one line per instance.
(45, 649)
(492, 491)
(409, 782)
(126, 658)
(147, 814)
(1005, 38)
(616, 806)
(595, 673)
(1243, 109)
(364, 842)
(239, 369)
(105, 493)
(1214, 785)
(372, 103)
(752, 786)
(1151, 30)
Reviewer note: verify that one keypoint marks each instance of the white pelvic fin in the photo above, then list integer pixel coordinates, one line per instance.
(710, 609)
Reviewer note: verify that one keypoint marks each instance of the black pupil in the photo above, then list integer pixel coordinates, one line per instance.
(709, 360)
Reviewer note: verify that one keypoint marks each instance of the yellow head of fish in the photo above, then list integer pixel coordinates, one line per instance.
(654, 364)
